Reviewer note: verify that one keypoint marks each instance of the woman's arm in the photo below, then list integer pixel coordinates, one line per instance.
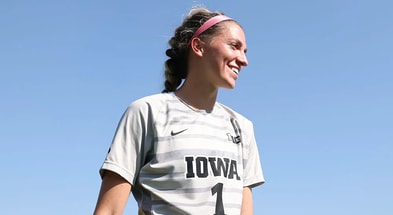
(247, 206)
(113, 196)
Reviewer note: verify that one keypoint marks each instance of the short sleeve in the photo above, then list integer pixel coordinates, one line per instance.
(253, 175)
(127, 152)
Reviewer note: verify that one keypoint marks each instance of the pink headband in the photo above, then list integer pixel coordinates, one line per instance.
(209, 23)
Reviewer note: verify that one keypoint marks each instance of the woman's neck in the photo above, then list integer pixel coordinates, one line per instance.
(197, 96)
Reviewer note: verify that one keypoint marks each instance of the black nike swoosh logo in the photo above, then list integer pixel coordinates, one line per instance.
(178, 132)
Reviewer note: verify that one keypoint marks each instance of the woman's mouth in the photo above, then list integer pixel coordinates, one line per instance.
(236, 71)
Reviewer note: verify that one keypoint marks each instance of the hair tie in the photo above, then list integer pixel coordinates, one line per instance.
(209, 23)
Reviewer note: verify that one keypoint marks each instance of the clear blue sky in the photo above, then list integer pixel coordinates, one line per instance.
(319, 89)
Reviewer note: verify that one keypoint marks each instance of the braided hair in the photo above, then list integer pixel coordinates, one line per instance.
(177, 65)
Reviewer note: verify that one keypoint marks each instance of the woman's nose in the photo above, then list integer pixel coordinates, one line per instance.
(243, 59)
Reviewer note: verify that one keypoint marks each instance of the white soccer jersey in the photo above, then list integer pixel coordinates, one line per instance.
(184, 161)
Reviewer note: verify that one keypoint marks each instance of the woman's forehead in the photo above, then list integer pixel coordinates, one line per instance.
(231, 30)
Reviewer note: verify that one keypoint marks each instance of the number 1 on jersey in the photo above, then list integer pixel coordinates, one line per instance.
(217, 189)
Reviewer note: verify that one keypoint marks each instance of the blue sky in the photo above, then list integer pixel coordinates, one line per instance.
(319, 89)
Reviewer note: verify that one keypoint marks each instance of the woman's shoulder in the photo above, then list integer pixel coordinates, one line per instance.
(234, 114)
(240, 121)
(154, 101)
(154, 98)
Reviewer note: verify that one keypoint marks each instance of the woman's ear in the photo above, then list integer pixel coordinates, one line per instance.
(197, 46)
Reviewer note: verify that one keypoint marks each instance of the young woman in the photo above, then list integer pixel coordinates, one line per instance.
(181, 151)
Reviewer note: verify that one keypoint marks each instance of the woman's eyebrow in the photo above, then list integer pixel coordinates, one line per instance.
(240, 44)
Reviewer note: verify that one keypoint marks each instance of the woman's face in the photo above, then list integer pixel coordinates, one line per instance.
(225, 55)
